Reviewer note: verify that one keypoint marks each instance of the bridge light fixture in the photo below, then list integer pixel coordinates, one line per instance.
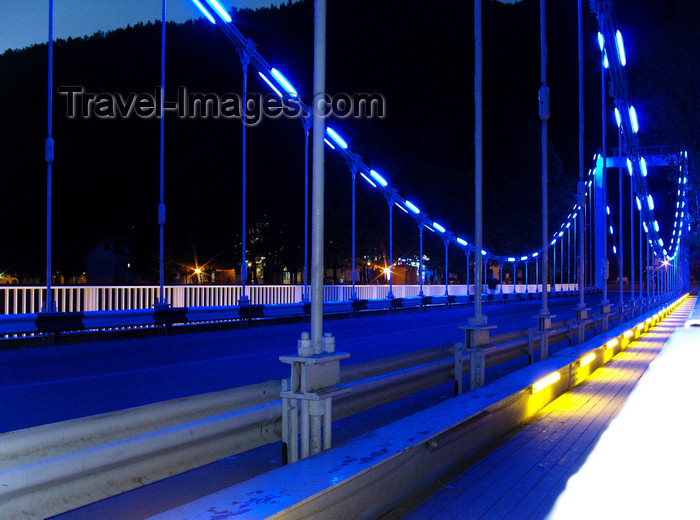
(334, 135)
(634, 120)
(204, 11)
(271, 85)
(620, 48)
(287, 86)
(219, 9)
(365, 177)
(381, 180)
(412, 207)
(438, 227)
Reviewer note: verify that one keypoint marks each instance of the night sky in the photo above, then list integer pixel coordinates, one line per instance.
(414, 144)
(25, 22)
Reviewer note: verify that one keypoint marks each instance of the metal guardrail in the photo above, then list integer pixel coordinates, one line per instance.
(58, 467)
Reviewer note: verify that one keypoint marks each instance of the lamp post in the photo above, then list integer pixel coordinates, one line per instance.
(604, 304)
(641, 259)
(467, 254)
(479, 320)
(162, 301)
(353, 171)
(544, 317)
(527, 268)
(620, 211)
(581, 309)
(447, 273)
(49, 304)
(390, 202)
(421, 225)
(568, 259)
(306, 121)
(500, 275)
(318, 177)
(245, 60)
(632, 238)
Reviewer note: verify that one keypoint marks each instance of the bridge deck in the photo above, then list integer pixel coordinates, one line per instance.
(525, 475)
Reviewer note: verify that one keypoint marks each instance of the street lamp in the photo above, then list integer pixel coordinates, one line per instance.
(245, 60)
(49, 304)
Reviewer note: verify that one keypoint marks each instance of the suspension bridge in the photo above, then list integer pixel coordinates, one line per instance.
(407, 391)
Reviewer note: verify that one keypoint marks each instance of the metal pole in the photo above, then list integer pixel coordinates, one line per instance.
(544, 116)
(161, 207)
(353, 295)
(245, 59)
(641, 259)
(561, 264)
(602, 226)
(581, 191)
(554, 266)
(590, 264)
(632, 237)
(647, 265)
(622, 241)
(500, 275)
(478, 162)
(391, 246)
(447, 274)
(568, 258)
(307, 127)
(466, 252)
(49, 305)
(317, 218)
(527, 265)
(420, 260)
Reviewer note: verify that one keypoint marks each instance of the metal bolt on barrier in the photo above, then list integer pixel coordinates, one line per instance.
(307, 398)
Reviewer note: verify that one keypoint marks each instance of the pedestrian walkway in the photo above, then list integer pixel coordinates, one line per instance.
(524, 476)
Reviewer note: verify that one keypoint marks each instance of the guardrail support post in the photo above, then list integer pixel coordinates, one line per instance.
(544, 324)
(604, 315)
(476, 337)
(581, 318)
(459, 367)
(477, 367)
(314, 381)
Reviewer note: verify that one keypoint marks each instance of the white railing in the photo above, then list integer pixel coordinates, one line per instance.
(79, 298)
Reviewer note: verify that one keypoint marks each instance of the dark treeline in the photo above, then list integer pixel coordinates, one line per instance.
(418, 56)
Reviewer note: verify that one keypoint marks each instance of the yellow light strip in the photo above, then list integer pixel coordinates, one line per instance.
(545, 382)
(628, 334)
(610, 344)
(640, 326)
(587, 359)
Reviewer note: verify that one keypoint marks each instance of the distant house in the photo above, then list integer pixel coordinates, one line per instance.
(108, 263)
